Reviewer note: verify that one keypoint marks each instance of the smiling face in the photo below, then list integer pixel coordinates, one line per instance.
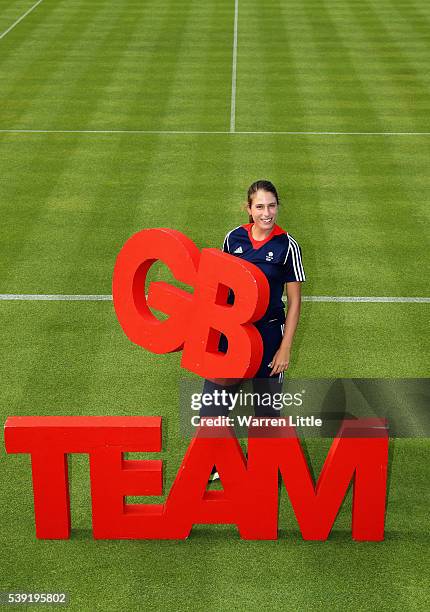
(264, 210)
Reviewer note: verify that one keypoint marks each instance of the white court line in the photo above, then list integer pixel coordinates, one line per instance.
(139, 132)
(371, 299)
(211, 132)
(57, 297)
(234, 70)
(20, 19)
(305, 298)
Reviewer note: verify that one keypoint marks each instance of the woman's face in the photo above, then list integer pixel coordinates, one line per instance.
(263, 209)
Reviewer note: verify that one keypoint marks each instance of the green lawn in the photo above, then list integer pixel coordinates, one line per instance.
(358, 205)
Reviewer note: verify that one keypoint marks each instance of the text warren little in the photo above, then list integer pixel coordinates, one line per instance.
(247, 421)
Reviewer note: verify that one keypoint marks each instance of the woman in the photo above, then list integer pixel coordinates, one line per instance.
(278, 255)
(269, 247)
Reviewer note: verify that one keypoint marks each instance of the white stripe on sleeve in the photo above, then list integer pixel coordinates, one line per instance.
(297, 260)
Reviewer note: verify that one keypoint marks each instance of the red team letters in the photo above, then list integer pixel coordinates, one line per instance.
(250, 496)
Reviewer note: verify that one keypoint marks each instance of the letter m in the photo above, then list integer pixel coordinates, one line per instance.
(359, 454)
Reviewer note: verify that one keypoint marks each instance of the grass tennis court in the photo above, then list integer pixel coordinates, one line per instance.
(116, 116)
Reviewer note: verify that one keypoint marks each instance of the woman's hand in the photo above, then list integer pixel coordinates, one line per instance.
(280, 360)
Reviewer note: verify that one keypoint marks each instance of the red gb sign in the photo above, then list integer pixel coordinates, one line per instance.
(250, 496)
(195, 320)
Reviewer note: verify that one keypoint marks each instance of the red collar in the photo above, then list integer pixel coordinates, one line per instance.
(276, 231)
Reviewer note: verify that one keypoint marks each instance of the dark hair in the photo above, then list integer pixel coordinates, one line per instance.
(264, 186)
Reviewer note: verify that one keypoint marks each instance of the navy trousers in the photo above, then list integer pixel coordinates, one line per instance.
(271, 333)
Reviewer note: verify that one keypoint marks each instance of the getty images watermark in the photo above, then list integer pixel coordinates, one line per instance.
(313, 407)
(267, 406)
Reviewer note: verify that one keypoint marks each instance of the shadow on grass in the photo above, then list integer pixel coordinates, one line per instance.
(226, 534)
(391, 455)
